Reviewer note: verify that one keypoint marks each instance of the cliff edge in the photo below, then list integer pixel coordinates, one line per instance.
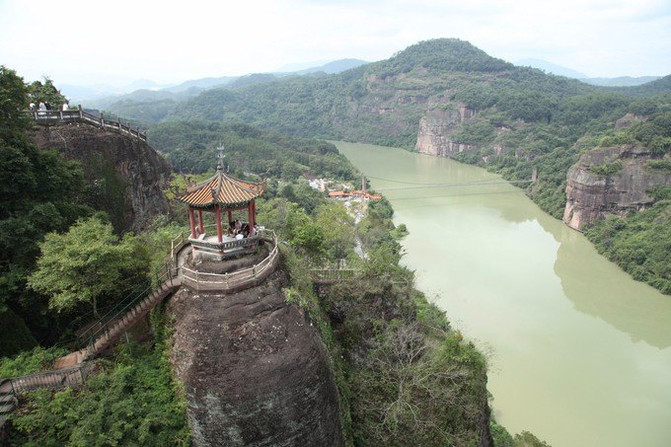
(125, 175)
(255, 370)
(611, 180)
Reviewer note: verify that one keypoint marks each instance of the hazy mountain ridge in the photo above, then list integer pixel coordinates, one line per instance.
(619, 81)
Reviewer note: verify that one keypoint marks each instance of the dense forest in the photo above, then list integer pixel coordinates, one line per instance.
(522, 118)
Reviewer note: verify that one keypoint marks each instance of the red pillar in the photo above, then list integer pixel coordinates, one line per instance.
(192, 222)
(252, 217)
(220, 236)
(230, 215)
(200, 222)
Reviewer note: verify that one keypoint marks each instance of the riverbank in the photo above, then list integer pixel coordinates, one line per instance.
(579, 352)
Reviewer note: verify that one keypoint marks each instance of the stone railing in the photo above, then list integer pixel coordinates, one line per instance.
(234, 281)
(46, 117)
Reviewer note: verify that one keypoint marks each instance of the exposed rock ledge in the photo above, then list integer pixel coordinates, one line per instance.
(255, 370)
(435, 131)
(126, 175)
(591, 196)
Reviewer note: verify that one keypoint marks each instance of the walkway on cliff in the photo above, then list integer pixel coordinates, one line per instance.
(49, 117)
(72, 369)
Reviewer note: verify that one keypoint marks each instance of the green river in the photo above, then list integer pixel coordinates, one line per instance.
(579, 353)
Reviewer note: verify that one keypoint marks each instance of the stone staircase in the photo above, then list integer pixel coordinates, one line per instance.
(107, 334)
(8, 403)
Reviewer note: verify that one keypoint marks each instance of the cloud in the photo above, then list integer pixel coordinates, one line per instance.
(172, 42)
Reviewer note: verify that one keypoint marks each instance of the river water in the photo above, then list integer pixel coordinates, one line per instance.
(579, 353)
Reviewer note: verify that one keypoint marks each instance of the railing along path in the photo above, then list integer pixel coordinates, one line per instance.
(238, 280)
(47, 117)
(129, 312)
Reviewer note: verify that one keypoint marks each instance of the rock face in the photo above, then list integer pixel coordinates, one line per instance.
(126, 176)
(435, 131)
(590, 195)
(255, 370)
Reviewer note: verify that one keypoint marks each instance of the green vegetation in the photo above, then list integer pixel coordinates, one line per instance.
(191, 148)
(30, 361)
(607, 170)
(47, 91)
(640, 243)
(40, 192)
(132, 400)
(88, 264)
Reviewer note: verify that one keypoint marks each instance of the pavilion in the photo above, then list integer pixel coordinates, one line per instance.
(218, 194)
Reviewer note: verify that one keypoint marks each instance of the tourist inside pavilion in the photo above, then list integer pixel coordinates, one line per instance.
(222, 195)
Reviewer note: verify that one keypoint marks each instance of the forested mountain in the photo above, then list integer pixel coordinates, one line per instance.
(447, 97)
(511, 118)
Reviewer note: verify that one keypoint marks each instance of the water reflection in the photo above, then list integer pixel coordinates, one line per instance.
(599, 288)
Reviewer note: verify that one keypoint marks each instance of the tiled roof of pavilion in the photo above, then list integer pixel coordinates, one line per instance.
(223, 190)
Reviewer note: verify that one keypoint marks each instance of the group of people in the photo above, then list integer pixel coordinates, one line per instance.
(43, 106)
(238, 229)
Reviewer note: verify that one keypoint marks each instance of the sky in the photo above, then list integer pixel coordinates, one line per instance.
(87, 42)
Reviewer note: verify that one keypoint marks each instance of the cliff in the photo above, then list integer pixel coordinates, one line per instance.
(434, 136)
(255, 370)
(613, 180)
(125, 176)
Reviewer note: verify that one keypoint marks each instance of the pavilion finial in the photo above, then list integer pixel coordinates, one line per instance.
(220, 158)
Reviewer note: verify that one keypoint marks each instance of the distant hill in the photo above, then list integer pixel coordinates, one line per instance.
(201, 84)
(551, 68)
(622, 81)
(102, 96)
(334, 67)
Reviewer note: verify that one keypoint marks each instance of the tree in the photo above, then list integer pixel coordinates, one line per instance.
(338, 229)
(86, 264)
(46, 91)
(13, 101)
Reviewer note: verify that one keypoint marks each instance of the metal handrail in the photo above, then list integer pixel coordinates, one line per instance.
(126, 306)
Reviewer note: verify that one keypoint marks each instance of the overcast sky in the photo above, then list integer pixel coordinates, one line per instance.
(87, 41)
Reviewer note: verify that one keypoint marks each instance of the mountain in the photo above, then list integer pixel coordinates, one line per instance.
(622, 81)
(334, 67)
(200, 84)
(78, 93)
(551, 68)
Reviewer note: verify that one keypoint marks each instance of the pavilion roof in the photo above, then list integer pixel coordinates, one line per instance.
(223, 190)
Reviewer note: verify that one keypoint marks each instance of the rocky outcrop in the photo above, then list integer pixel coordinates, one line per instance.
(612, 180)
(255, 370)
(435, 131)
(126, 177)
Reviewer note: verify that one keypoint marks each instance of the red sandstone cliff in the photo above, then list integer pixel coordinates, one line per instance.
(435, 131)
(613, 180)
